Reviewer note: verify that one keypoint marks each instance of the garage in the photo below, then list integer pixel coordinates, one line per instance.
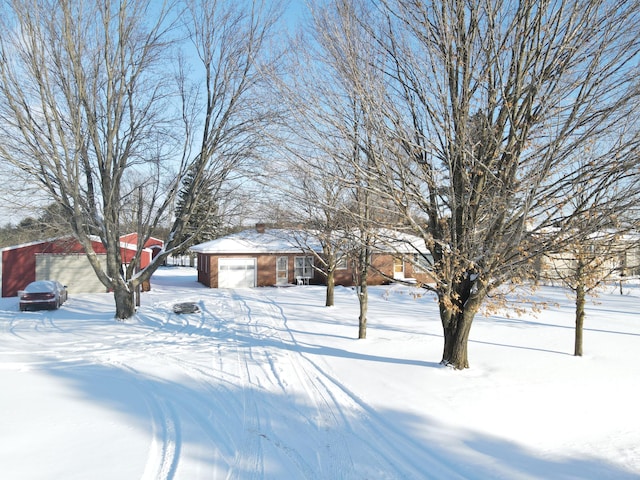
(236, 272)
(72, 270)
(62, 259)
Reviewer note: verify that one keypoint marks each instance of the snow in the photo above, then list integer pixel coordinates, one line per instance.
(282, 240)
(252, 241)
(267, 383)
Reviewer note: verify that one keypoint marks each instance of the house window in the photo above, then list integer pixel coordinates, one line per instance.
(203, 263)
(341, 264)
(398, 268)
(304, 267)
(421, 263)
(282, 270)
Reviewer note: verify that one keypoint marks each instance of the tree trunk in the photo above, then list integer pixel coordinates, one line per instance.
(457, 315)
(580, 301)
(456, 339)
(125, 302)
(363, 299)
(331, 284)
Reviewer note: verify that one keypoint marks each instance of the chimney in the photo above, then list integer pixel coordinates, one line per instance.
(260, 227)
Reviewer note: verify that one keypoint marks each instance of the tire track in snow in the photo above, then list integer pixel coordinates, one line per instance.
(326, 417)
(297, 394)
(390, 453)
(22, 326)
(14, 324)
(248, 461)
(212, 397)
(378, 433)
(165, 442)
(164, 451)
(139, 351)
(174, 408)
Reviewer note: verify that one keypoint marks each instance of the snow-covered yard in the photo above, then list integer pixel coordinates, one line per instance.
(270, 384)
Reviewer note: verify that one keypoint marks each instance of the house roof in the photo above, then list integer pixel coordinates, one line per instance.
(94, 238)
(251, 241)
(68, 239)
(393, 241)
(295, 241)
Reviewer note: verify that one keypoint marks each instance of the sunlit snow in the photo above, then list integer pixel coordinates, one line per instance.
(267, 383)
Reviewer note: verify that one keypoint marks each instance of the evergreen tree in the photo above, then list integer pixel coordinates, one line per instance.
(204, 221)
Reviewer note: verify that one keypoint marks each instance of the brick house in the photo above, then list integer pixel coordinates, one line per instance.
(260, 257)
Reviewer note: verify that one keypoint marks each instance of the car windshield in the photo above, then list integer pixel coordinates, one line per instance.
(40, 286)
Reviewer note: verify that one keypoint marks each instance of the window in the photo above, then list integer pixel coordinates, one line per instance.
(341, 264)
(304, 267)
(203, 263)
(282, 270)
(398, 268)
(421, 263)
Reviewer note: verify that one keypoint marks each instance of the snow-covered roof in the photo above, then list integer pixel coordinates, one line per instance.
(294, 241)
(251, 241)
(393, 241)
(93, 238)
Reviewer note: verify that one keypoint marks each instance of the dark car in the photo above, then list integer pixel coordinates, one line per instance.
(43, 294)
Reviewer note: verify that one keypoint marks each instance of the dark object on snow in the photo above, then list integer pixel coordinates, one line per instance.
(186, 307)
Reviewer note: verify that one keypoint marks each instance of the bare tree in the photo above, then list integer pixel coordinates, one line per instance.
(593, 251)
(327, 126)
(583, 267)
(315, 201)
(485, 103)
(89, 109)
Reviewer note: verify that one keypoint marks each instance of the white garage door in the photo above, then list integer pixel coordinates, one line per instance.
(236, 272)
(71, 270)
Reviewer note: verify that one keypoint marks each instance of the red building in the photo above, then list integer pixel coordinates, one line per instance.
(62, 259)
(155, 244)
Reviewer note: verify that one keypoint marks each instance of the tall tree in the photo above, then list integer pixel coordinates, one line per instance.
(235, 48)
(81, 105)
(485, 104)
(88, 109)
(327, 126)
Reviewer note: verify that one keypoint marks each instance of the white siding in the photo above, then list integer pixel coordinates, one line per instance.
(72, 270)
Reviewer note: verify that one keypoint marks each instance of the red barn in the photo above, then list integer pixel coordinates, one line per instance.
(155, 244)
(61, 259)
